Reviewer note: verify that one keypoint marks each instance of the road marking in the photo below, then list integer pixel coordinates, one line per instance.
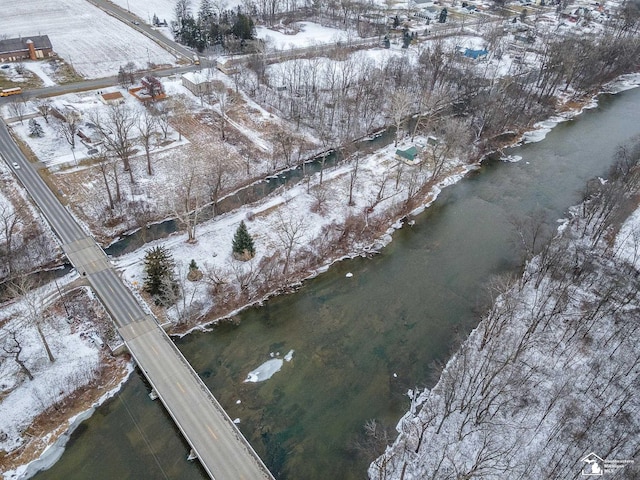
(180, 387)
(154, 350)
(211, 432)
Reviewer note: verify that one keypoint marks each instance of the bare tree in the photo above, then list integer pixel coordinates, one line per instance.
(399, 109)
(179, 113)
(320, 195)
(217, 171)
(162, 114)
(68, 127)
(106, 167)
(289, 230)
(188, 194)
(453, 134)
(352, 178)
(147, 129)
(10, 222)
(44, 107)
(116, 130)
(285, 142)
(224, 100)
(185, 303)
(13, 347)
(34, 312)
(17, 108)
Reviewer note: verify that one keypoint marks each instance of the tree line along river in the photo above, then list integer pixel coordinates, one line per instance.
(359, 342)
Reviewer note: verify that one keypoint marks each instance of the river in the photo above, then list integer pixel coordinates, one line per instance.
(360, 342)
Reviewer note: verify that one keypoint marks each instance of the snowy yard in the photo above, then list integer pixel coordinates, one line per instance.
(94, 43)
(306, 34)
(74, 331)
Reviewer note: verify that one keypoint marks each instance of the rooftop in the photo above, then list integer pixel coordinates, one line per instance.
(20, 44)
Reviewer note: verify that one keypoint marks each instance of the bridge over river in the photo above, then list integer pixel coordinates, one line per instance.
(224, 453)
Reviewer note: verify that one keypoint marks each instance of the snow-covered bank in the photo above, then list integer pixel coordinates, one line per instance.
(54, 451)
(541, 129)
(549, 377)
(43, 399)
(343, 212)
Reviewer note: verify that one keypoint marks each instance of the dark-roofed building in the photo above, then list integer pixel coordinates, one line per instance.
(33, 48)
(409, 155)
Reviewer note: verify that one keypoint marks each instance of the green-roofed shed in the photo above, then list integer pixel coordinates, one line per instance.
(408, 154)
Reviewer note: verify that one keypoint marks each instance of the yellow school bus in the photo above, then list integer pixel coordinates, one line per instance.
(10, 91)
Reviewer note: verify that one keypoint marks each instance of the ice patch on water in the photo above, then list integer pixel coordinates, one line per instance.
(269, 368)
(511, 158)
(265, 371)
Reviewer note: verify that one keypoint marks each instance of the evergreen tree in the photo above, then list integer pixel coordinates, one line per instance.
(35, 130)
(205, 14)
(243, 243)
(194, 272)
(243, 27)
(443, 15)
(159, 281)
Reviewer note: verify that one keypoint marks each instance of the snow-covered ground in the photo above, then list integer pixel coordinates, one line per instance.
(320, 72)
(75, 345)
(55, 152)
(296, 206)
(94, 43)
(306, 34)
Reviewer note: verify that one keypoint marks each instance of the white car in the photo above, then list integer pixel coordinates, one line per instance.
(16, 166)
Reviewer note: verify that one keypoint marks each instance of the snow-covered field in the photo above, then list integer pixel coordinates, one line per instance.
(94, 43)
(165, 9)
(309, 34)
(321, 72)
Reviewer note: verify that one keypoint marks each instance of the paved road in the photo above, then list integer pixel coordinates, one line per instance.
(95, 83)
(223, 451)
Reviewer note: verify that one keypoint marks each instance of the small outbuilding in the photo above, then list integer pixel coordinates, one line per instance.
(198, 83)
(475, 54)
(409, 155)
(227, 65)
(112, 98)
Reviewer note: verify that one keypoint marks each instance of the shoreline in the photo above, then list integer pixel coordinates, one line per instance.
(541, 128)
(57, 441)
(54, 450)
